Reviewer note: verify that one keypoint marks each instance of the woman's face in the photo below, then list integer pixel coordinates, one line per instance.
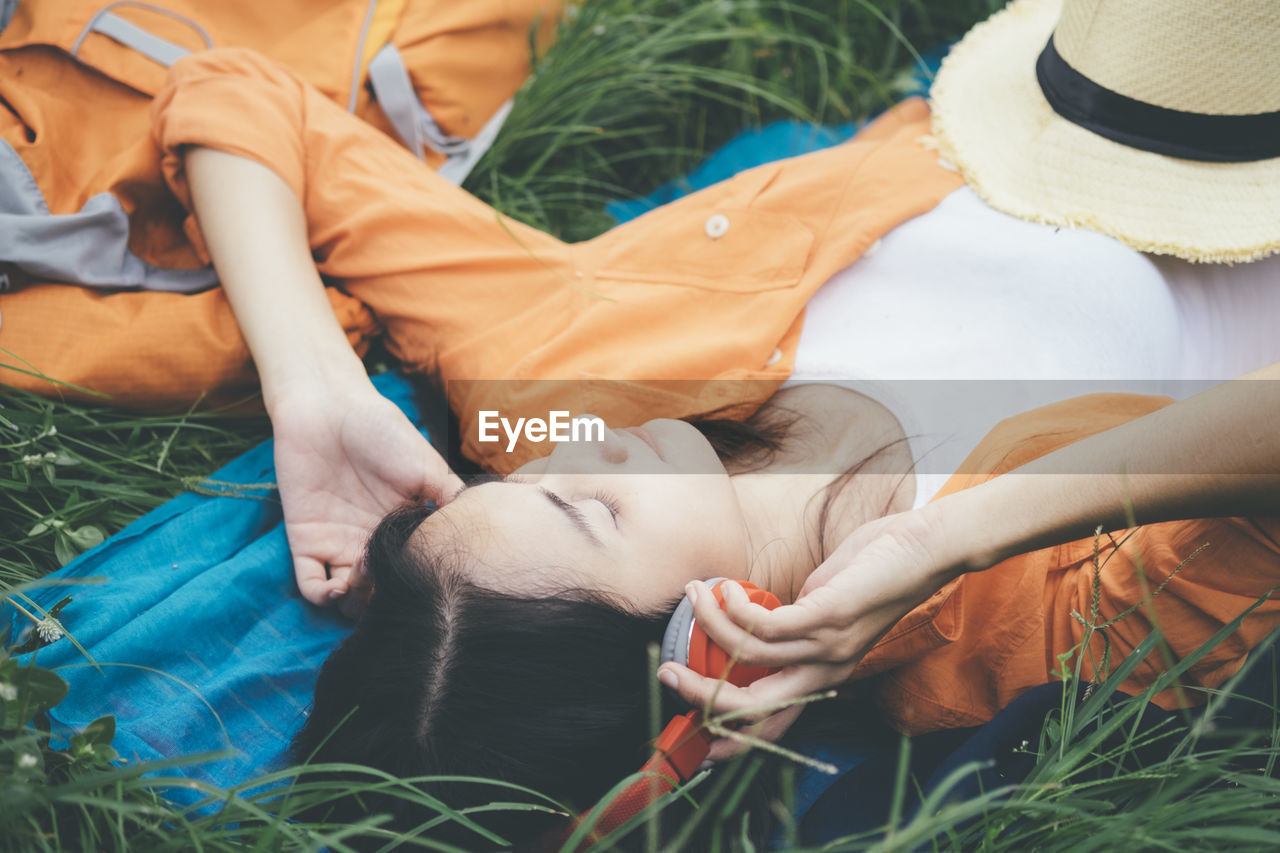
(639, 515)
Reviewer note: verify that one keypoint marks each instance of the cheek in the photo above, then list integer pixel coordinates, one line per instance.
(685, 449)
(712, 528)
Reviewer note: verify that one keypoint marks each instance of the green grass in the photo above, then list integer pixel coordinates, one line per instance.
(634, 93)
(73, 474)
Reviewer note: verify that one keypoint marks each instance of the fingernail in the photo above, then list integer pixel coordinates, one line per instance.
(706, 765)
(668, 678)
(335, 594)
(691, 592)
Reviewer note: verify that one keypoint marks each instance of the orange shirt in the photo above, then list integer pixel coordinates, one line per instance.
(469, 295)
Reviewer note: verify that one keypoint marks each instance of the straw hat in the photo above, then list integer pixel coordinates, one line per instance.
(1164, 127)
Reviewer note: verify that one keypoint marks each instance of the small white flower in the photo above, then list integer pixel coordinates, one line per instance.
(597, 30)
(49, 629)
(8, 692)
(27, 761)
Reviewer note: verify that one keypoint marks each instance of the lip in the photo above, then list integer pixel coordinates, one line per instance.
(647, 437)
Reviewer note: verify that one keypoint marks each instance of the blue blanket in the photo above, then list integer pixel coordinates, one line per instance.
(201, 638)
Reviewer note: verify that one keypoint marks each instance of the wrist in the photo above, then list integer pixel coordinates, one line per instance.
(311, 375)
(1020, 512)
(982, 526)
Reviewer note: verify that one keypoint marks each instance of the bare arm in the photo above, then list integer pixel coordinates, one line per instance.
(344, 454)
(254, 229)
(1214, 454)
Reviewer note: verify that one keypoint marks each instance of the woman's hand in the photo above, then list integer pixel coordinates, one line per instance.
(344, 459)
(874, 578)
(345, 455)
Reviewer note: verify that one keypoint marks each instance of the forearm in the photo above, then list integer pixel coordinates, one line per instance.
(1215, 454)
(254, 228)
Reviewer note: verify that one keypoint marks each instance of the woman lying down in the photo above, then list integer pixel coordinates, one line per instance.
(507, 634)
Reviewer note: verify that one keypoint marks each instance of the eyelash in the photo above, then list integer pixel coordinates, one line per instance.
(610, 503)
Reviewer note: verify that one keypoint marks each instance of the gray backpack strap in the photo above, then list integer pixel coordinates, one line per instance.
(131, 35)
(458, 166)
(414, 124)
(7, 8)
(394, 91)
(89, 248)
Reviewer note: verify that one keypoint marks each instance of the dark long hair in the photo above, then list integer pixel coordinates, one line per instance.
(442, 678)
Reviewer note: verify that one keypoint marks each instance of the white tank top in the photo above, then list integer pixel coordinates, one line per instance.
(953, 304)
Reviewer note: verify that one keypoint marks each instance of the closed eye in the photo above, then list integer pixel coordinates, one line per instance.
(610, 503)
(574, 515)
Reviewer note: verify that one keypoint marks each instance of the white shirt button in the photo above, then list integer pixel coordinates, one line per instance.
(717, 225)
(774, 358)
(872, 249)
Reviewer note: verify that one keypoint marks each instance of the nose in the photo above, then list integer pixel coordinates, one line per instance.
(612, 450)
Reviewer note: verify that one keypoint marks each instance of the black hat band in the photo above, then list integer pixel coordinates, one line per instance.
(1190, 136)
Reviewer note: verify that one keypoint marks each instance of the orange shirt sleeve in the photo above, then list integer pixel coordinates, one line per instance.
(235, 101)
(396, 235)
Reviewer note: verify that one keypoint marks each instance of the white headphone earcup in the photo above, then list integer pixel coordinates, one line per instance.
(675, 640)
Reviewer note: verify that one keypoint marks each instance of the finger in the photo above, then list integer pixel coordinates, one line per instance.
(702, 692)
(359, 589)
(441, 484)
(314, 582)
(802, 620)
(761, 622)
(787, 622)
(449, 488)
(744, 645)
(341, 575)
(761, 698)
(741, 608)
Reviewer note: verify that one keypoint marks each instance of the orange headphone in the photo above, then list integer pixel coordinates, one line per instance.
(684, 744)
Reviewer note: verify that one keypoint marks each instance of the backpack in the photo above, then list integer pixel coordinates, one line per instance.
(81, 200)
